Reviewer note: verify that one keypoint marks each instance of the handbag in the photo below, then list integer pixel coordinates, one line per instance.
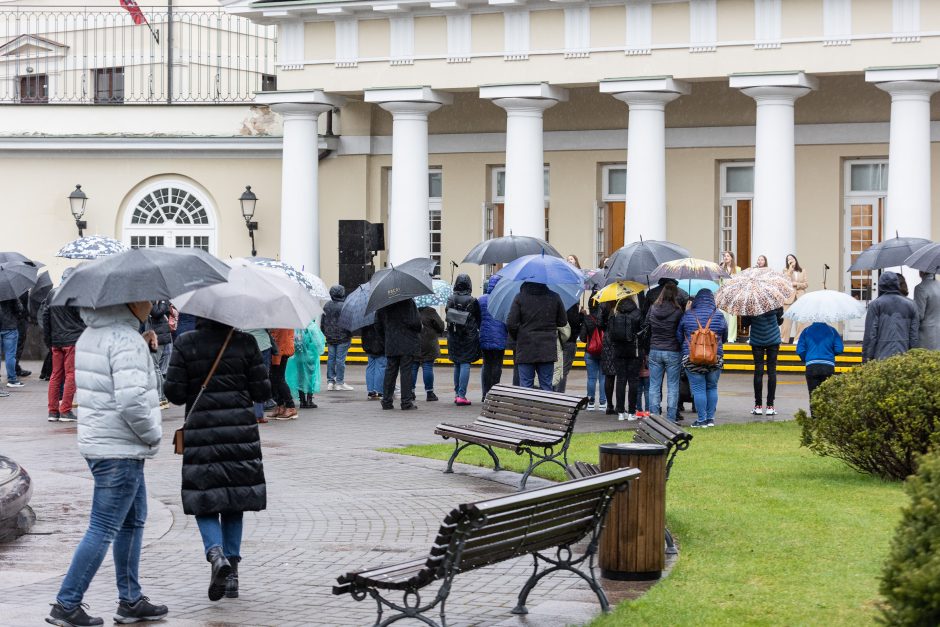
(457, 317)
(595, 343)
(178, 434)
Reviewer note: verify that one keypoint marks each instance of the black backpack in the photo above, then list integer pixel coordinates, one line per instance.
(622, 329)
(458, 314)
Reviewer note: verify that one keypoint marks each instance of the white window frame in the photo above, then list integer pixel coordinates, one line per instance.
(703, 25)
(171, 231)
(291, 50)
(516, 35)
(837, 22)
(459, 38)
(401, 39)
(577, 32)
(347, 42)
(606, 194)
(906, 21)
(726, 198)
(767, 19)
(639, 27)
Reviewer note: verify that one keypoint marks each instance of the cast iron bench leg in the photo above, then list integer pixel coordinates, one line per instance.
(458, 447)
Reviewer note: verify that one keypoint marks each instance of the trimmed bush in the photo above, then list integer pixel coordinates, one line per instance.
(880, 416)
(911, 578)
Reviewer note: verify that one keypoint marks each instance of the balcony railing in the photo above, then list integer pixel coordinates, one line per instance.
(109, 55)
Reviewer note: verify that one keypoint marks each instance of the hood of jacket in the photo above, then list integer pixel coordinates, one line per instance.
(626, 305)
(534, 289)
(109, 316)
(338, 293)
(888, 283)
(463, 284)
(491, 283)
(664, 311)
(705, 299)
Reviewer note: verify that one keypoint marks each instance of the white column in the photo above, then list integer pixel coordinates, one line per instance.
(908, 213)
(646, 152)
(300, 204)
(408, 225)
(773, 218)
(525, 161)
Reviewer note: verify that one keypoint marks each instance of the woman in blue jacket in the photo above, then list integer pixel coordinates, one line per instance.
(703, 379)
(492, 340)
(817, 347)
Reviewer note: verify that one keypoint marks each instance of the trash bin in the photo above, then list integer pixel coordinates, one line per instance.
(634, 539)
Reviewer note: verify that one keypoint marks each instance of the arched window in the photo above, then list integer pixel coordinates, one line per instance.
(170, 213)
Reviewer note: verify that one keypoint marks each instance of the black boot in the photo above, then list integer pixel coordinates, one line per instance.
(220, 572)
(231, 583)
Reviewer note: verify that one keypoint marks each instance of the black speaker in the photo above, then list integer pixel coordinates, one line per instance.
(377, 237)
(352, 275)
(353, 242)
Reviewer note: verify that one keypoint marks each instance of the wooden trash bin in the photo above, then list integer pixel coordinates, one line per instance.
(634, 539)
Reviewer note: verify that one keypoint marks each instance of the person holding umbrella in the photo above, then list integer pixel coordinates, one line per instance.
(431, 329)
(400, 325)
(927, 301)
(818, 346)
(703, 378)
(218, 373)
(892, 325)
(765, 345)
(61, 328)
(493, 334)
(535, 315)
(373, 345)
(119, 428)
(463, 335)
(11, 311)
(665, 357)
(338, 340)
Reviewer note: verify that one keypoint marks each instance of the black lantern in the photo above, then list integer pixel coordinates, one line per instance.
(77, 200)
(248, 202)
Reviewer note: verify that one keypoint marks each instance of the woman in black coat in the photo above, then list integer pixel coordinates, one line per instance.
(534, 319)
(463, 338)
(622, 329)
(222, 471)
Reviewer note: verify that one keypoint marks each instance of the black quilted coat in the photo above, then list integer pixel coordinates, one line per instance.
(222, 469)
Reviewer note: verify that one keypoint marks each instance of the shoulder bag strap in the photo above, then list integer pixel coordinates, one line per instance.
(708, 323)
(215, 365)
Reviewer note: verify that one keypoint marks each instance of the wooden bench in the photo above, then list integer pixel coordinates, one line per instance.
(475, 535)
(650, 430)
(522, 420)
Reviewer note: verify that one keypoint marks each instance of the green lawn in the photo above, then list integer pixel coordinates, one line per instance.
(769, 533)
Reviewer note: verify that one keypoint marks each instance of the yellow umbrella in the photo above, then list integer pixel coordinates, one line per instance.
(618, 291)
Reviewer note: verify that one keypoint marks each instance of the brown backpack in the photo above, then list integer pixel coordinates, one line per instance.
(703, 345)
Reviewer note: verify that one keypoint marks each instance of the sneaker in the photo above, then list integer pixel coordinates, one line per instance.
(23, 373)
(758, 410)
(591, 406)
(709, 423)
(632, 417)
(770, 411)
(461, 401)
(409, 406)
(610, 411)
(388, 405)
(621, 416)
(68, 417)
(139, 612)
(53, 416)
(76, 618)
(15, 384)
(344, 387)
(432, 396)
(330, 386)
(288, 413)
(3, 394)
(698, 424)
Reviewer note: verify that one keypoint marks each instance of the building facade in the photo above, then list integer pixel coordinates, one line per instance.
(761, 127)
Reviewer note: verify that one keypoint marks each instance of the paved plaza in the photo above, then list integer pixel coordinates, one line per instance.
(334, 504)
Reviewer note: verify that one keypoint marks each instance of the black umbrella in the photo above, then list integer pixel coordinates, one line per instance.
(888, 254)
(926, 259)
(16, 277)
(399, 283)
(38, 293)
(636, 261)
(138, 275)
(508, 248)
(10, 256)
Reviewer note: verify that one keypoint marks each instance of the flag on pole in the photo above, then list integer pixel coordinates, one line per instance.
(134, 9)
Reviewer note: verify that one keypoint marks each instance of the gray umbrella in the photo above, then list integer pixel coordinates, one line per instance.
(888, 254)
(16, 277)
(14, 256)
(636, 261)
(138, 275)
(399, 283)
(508, 248)
(353, 315)
(926, 259)
(38, 293)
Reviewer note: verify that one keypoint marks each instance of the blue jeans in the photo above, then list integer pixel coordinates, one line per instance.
(668, 365)
(266, 358)
(643, 394)
(705, 392)
(224, 530)
(118, 514)
(336, 362)
(461, 379)
(595, 378)
(427, 372)
(375, 373)
(544, 370)
(8, 340)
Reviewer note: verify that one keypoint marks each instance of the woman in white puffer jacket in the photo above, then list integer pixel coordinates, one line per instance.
(118, 429)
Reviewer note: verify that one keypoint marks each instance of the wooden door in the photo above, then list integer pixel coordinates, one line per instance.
(743, 235)
(616, 217)
(864, 220)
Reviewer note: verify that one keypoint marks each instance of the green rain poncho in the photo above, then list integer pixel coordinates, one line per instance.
(303, 369)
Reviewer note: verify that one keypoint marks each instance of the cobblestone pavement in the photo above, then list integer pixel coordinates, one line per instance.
(334, 504)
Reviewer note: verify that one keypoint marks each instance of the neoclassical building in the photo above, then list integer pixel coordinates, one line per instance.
(762, 127)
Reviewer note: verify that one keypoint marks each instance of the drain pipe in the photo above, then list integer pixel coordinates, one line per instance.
(326, 152)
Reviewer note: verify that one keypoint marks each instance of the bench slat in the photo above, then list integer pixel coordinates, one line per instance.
(467, 433)
(517, 426)
(521, 416)
(523, 434)
(554, 398)
(525, 408)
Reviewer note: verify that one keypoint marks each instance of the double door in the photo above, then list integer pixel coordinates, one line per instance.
(863, 217)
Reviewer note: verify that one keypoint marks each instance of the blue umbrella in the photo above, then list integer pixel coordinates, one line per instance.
(442, 291)
(692, 286)
(560, 277)
(353, 315)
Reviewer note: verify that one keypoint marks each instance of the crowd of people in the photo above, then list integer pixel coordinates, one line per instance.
(122, 364)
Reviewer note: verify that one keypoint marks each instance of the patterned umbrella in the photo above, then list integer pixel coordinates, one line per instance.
(442, 291)
(314, 284)
(688, 268)
(91, 247)
(618, 291)
(827, 306)
(754, 291)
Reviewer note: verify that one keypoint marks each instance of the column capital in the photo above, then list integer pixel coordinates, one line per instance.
(926, 73)
(910, 90)
(775, 94)
(418, 94)
(403, 109)
(644, 85)
(300, 102)
(796, 79)
(528, 91)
